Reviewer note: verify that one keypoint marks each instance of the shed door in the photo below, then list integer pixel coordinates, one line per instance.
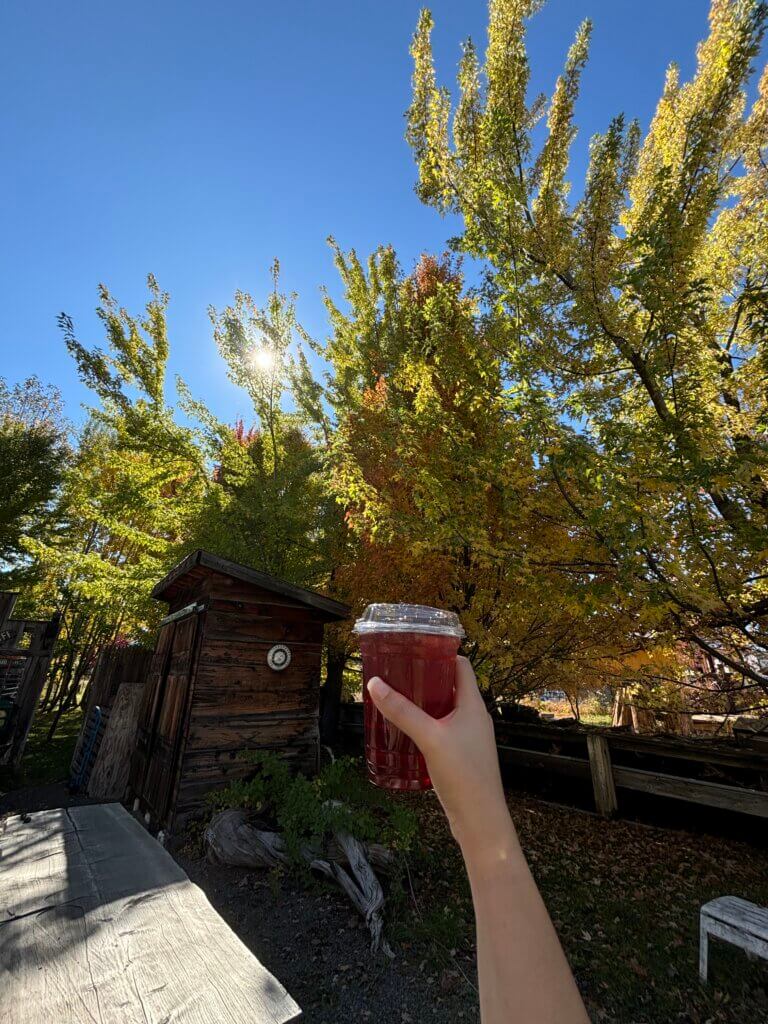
(163, 714)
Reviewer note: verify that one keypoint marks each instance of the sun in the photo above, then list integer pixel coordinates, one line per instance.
(262, 358)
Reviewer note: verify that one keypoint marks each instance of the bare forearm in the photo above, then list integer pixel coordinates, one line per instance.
(524, 976)
(523, 973)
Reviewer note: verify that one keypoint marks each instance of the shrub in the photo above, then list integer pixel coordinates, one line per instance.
(309, 811)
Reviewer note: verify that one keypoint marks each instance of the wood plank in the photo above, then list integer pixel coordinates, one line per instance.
(115, 666)
(140, 945)
(252, 679)
(244, 600)
(257, 688)
(734, 910)
(109, 776)
(710, 794)
(562, 764)
(249, 702)
(251, 652)
(238, 732)
(248, 662)
(712, 751)
(602, 775)
(223, 625)
(715, 752)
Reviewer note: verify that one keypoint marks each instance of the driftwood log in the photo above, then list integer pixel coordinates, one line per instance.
(230, 839)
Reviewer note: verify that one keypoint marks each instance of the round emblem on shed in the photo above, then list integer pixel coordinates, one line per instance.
(279, 657)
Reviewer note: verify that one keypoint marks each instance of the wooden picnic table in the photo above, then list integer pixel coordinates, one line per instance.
(99, 925)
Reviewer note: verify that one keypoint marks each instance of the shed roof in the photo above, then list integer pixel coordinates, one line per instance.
(182, 574)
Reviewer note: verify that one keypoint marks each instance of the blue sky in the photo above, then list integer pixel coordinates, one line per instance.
(199, 141)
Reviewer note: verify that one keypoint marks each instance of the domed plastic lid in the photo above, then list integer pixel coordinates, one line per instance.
(409, 618)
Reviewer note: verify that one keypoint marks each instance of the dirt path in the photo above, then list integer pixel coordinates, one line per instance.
(319, 950)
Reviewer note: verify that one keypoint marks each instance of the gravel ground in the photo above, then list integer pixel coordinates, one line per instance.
(318, 949)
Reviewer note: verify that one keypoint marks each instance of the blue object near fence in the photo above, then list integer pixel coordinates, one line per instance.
(85, 755)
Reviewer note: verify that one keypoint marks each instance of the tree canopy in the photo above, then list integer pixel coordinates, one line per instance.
(33, 456)
(571, 453)
(633, 319)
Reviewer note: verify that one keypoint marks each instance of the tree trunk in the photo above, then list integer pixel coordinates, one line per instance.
(330, 696)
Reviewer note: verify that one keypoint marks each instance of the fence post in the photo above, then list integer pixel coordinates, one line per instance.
(602, 774)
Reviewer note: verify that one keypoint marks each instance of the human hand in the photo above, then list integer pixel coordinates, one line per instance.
(461, 756)
(522, 970)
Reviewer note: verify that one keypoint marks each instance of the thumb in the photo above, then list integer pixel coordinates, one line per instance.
(401, 712)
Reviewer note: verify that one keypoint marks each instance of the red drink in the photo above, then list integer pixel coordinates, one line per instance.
(412, 648)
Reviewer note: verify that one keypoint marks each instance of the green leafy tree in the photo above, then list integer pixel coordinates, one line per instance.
(127, 498)
(265, 513)
(33, 458)
(267, 503)
(634, 318)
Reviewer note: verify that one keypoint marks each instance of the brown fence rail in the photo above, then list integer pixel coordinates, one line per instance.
(722, 774)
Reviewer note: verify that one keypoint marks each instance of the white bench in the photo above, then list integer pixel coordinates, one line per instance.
(736, 921)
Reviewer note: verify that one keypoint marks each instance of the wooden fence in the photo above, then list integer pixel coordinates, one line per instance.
(26, 646)
(723, 774)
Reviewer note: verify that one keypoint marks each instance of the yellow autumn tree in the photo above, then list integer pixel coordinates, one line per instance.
(634, 317)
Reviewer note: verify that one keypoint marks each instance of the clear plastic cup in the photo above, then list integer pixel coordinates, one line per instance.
(413, 648)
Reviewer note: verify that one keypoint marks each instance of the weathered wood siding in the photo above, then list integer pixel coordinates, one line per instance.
(165, 712)
(238, 702)
(115, 666)
(211, 693)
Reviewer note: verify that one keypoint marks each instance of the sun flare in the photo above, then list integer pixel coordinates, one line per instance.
(262, 358)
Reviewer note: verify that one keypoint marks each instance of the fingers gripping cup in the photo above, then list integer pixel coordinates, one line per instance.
(413, 648)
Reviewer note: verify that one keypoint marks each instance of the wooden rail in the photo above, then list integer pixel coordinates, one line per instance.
(592, 756)
(676, 787)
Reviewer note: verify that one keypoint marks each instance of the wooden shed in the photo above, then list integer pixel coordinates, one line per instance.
(236, 666)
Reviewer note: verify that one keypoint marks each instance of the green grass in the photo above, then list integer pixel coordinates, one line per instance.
(596, 718)
(625, 900)
(44, 763)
